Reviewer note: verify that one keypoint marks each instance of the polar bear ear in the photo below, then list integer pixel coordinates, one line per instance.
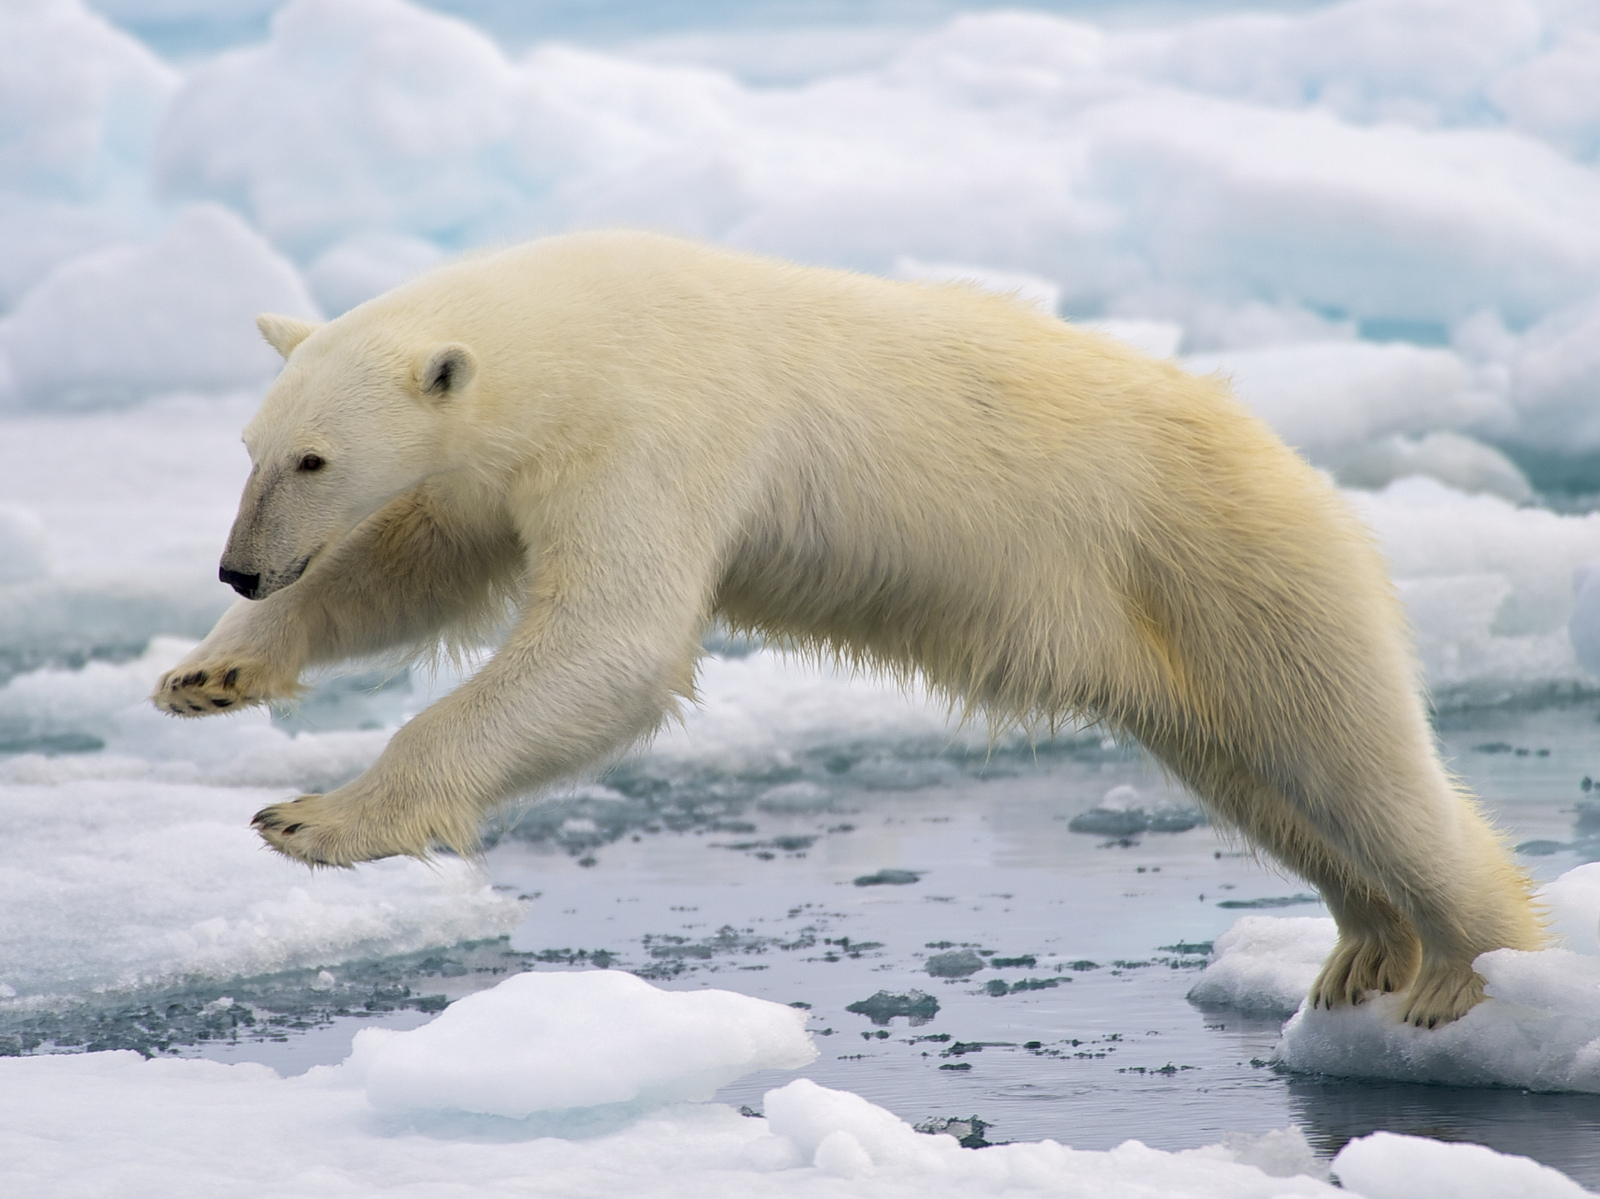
(283, 333)
(446, 370)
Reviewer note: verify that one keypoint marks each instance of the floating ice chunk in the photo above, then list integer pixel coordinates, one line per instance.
(23, 553)
(1268, 963)
(1265, 964)
(1029, 289)
(1539, 1029)
(1326, 396)
(1457, 461)
(545, 1042)
(1387, 1165)
(125, 323)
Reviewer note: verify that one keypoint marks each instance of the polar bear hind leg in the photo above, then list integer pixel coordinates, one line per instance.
(1416, 880)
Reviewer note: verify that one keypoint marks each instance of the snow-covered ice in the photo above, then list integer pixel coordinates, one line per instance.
(442, 1108)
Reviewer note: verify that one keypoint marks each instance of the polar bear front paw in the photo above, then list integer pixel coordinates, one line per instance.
(212, 688)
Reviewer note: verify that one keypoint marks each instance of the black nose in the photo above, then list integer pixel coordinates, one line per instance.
(245, 585)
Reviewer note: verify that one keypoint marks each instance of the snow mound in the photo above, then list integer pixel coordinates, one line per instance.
(1386, 1165)
(128, 322)
(556, 1041)
(1487, 586)
(1265, 964)
(1333, 394)
(79, 105)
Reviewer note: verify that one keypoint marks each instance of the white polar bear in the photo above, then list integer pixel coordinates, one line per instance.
(626, 436)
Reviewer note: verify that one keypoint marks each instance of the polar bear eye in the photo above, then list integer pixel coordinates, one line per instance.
(312, 462)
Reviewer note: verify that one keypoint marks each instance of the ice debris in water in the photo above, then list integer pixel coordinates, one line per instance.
(883, 1007)
(1539, 1028)
(888, 878)
(543, 1042)
(956, 963)
(1122, 812)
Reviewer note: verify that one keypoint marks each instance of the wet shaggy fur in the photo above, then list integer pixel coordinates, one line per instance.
(633, 436)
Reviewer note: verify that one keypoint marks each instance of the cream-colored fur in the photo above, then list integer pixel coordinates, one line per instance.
(632, 435)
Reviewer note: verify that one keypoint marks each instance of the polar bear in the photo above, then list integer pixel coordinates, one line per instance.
(625, 436)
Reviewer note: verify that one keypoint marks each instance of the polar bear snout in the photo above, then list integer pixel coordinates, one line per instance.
(245, 585)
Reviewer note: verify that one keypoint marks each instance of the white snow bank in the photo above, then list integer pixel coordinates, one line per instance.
(553, 1041)
(128, 322)
(1386, 1165)
(1487, 586)
(79, 105)
(356, 116)
(1539, 1029)
(1333, 394)
(154, 1129)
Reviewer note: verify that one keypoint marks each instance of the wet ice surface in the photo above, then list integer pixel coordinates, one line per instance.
(1097, 939)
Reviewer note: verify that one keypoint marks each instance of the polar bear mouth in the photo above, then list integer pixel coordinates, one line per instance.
(299, 568)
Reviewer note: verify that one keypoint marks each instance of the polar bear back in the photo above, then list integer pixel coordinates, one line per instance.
(926, 477)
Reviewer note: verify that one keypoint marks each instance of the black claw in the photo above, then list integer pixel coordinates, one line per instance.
(232, 677)
(222, 703)
(290, 830)
(200, 677)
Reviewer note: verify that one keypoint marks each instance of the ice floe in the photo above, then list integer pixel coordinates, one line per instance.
(1538, 1030)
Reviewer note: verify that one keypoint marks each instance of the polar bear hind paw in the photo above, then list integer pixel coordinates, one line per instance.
(1442, 994)
(209, 690)
(1360, 965)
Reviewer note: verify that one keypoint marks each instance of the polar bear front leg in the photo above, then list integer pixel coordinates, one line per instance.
(607, 642)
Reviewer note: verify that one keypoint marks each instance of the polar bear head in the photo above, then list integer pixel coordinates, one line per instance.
(353, 421)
